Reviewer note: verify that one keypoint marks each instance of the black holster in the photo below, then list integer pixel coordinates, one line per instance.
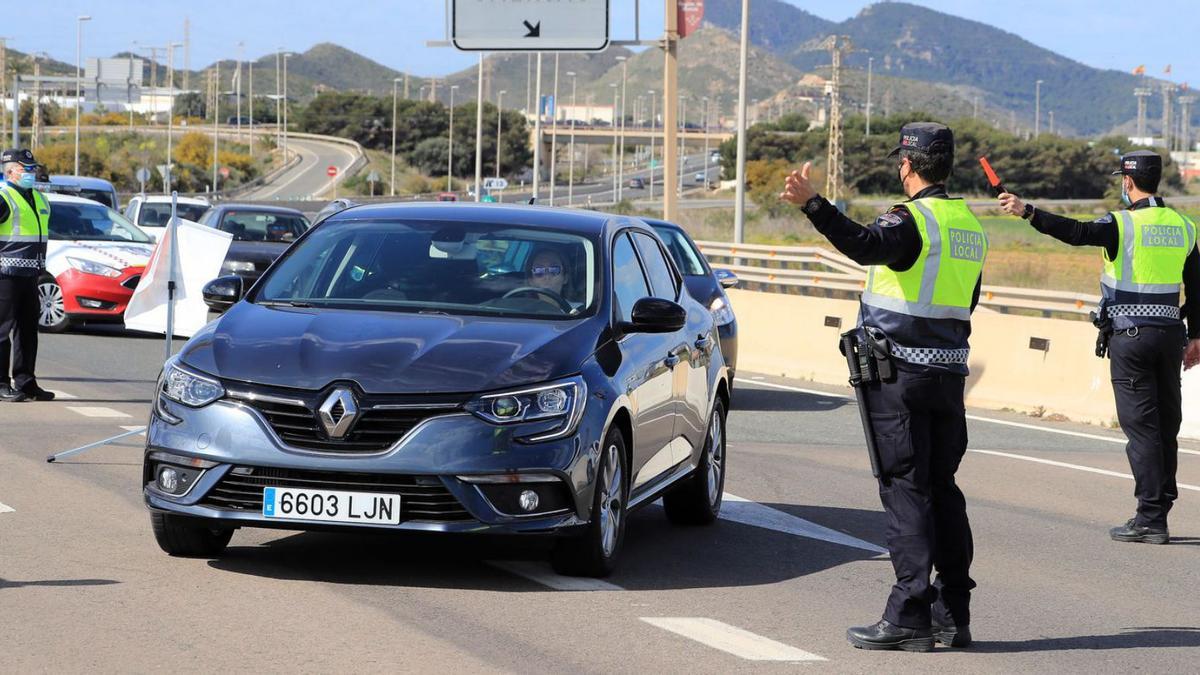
(1104, 325)
(869, 360)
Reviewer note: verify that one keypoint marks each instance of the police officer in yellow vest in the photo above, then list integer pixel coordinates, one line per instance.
(24, 229)
(1149, 255)
(926, 259)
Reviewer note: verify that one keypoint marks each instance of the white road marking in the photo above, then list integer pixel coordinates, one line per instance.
(1065, 465)
(59, 394)
(746, 512)
(5, 508)
(731, 639)
(542, 574)
(89, 411)
(977, 418)
(135, 427)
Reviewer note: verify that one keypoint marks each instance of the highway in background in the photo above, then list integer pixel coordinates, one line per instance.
(308, 179)
(793, 562)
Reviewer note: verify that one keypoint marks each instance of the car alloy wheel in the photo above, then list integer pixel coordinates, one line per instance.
(52, 310)
(610, 501)
(716, 458)
(697, 499)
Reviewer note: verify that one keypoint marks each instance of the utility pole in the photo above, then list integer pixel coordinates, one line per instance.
(1168, 87)
(171, 46)
(1142, 93)
(870, 67)
(1051, 122)
(450, 146)
(671, 109)
(837, 46)
(537, 133)
(479, 133)
(36, 125)
(216, 90)
(499, 126)
(1037, 109)
(237, 95)
(554, 135)
(1185, 129)
(78, 84)
(571, 153)
(739, 204)
(653, 126)
(392, 191)
(614, 135)
(250, 72)
(187, 54)
(621, 149)
(278, 94)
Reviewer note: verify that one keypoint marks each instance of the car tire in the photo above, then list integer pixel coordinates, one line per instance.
(697, 500)
(52, 311)
(595, 552)
(188, 538)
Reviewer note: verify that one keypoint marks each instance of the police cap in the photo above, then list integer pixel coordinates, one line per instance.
(927, 137)
(1143, 164)
(22, 155)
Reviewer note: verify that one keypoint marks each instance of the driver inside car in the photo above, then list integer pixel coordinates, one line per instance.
(547, 270)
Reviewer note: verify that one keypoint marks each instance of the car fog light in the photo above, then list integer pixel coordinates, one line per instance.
(506, 406)
(529, 500)
(90, 303)
(168, 479)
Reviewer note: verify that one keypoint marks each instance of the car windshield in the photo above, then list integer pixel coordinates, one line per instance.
(91, 222)
(687, 258)
(158, 214)
(103, 196)
(438, 267)
(263, 226)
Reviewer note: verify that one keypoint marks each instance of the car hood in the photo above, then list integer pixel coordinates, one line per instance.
(387, 352)
(118, 254)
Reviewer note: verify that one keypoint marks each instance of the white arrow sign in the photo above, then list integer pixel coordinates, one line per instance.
(530, 26)
(495, 183)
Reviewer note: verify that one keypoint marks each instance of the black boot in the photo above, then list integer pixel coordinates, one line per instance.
(1132, 532)
(36, 393)
(952, 636)
(10, 395)
(884, 635)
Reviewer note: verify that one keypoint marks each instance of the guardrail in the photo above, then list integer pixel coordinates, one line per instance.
(811, 270)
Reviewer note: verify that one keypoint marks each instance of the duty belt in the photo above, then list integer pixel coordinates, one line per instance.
(929, 355)
(1148, 311)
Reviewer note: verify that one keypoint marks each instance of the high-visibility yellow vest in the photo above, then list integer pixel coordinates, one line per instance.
(1141, 285)
(24, 233)
(926, 309)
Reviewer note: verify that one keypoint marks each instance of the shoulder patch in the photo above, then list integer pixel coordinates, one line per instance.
(889, 219)
(1106, 218)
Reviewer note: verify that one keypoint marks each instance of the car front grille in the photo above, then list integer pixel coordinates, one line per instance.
(294, 418)
(421, 497)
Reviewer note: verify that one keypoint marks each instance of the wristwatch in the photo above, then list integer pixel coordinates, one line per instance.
(1028, 212)
(813, 206)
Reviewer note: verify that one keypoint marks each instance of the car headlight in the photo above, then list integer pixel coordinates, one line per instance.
(563, 400)
(239, 266)
(187, 387)
(722, 311)
(89, 267)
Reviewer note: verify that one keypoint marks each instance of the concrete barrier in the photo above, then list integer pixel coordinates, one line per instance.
(796, 336)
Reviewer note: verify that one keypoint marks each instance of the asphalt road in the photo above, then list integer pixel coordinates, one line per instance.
(771, 587)
(308, 179)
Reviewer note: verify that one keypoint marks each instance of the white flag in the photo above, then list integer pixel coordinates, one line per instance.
(199, 256)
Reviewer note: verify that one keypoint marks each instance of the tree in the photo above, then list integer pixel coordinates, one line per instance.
(430, 156)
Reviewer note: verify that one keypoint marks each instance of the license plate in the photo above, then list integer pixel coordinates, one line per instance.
(366, 508)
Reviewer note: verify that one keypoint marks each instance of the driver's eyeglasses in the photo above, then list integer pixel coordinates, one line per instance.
(547, 270)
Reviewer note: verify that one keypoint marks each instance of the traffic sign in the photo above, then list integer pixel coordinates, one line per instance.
(530, 26)
(331, 171)
(163, 170)
(142, 175)
(494, 184)
(691, 15)
(224, 172)
(373, 177)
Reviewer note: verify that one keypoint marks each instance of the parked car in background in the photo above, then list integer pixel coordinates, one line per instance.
(152, 212)
(336, 206)
(705, 284)
(94, 260)
(636, 184)
(446, 368)
(260, 235)
(95, 189)
(447, 197)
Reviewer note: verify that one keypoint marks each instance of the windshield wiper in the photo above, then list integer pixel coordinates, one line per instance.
(285, 303)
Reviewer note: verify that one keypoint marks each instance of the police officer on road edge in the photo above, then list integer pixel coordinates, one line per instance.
(1149, 254)
(24, 229)
(926, 259)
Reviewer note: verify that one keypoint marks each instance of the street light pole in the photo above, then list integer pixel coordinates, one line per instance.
(78, 83)
(278, 98)
(395, 80)
(653, 126)
(216, 118)
(621, 160)
(707, 124)
(571, 159)
(499, 126)
(870, 65)
(554, 135)
(237, 94)
(171, 47)
(479, 134)
(286, 56)
(739, 204)
(450, 146)
(614, 135)
(1037, 109)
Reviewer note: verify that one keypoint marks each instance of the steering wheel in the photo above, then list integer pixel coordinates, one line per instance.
(545, 293)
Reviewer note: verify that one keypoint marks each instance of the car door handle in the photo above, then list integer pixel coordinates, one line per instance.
(704, 342)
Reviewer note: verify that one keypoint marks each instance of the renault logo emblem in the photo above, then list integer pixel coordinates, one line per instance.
(338, 412)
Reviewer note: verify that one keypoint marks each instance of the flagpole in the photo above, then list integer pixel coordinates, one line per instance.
(172, 233)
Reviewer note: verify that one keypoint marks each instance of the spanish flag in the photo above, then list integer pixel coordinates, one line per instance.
(1140, 70)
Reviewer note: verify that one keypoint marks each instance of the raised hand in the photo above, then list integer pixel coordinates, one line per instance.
(797, 188)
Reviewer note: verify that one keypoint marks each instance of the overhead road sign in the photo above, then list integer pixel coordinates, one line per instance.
(495, 183)
(530, 26)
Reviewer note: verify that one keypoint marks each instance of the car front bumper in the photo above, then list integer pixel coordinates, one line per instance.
(460, 459)
(107, 296)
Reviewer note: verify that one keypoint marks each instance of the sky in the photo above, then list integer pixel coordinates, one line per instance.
(1100, 33)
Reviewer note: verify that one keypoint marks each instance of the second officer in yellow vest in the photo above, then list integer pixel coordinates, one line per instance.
(926, 259)
(1149, 256)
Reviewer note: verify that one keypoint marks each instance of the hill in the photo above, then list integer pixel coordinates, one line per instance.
(922, 44)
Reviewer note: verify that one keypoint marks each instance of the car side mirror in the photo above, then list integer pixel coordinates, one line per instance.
(655, 315)
(726, 278)
(223, 292)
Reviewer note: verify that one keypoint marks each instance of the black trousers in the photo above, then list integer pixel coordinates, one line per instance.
(18, 318)
(920, 428)
(1145, 378)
